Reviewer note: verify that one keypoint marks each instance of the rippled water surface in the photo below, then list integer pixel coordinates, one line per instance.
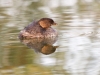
(75, 52)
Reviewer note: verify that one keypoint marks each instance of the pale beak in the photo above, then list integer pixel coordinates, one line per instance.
(54, 23)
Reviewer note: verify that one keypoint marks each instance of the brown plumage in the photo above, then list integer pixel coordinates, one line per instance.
(39, 29)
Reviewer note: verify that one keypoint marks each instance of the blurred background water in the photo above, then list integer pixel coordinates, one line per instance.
(79, 37)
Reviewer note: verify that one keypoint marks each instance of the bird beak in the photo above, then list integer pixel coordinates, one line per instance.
(54, 23)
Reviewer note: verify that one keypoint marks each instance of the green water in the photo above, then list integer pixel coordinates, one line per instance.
(78, 44)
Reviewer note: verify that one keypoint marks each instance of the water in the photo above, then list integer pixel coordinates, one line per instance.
(77, 47)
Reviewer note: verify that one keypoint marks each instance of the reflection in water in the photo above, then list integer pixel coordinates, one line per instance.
(79, 41)
(43, 45)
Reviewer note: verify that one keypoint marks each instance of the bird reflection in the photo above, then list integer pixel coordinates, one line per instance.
(41, 45)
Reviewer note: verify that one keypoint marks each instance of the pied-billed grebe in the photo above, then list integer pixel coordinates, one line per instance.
(41, 28)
